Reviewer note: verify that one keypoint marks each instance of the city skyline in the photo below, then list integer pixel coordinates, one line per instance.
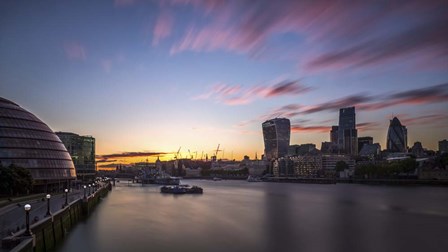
(146, 77)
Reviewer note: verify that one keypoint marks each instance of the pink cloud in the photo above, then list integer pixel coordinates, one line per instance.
(354, 33)
(75, 51)
(237, 95)
(321, 129)
(425, 119)
(427, 95)
(163, 27)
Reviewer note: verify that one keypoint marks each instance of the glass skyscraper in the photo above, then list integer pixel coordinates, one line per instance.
(27, 142)
(347, 133)
(397, 136)
(276, 134)
(82, 151)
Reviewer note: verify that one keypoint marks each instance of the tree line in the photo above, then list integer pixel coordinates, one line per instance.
(387, 170)
(15, 180)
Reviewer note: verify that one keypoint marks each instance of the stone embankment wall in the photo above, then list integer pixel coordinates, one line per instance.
(48, 232)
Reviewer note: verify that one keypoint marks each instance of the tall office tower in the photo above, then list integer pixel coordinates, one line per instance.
(82, 151)
(334, 134)
(347, 133)
(397, 137)
(276, 134)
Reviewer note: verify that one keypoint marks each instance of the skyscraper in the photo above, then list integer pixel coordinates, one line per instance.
(276, 134)
(334, 134)
(347, 133)
(397, 137)
(82, 151)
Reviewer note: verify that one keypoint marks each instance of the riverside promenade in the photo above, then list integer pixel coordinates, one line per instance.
(45, 233)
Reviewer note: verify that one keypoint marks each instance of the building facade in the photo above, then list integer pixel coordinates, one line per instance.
(397, 136)
(27, 142)
(301, 149)
(443, 146)
(364, 140)
(82, 151)
(329, 163)
(308, 165)
(334, 134)
(347, 133)
(276, 135)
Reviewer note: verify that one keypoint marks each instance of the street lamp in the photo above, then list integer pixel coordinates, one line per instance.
(66, 197)
(48, 206)
(27, 216)
(89, 188)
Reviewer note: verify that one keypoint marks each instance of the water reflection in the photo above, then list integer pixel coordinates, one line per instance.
(241, 216)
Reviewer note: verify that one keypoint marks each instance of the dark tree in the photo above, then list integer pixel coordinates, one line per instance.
(341, 165)
(15, 180)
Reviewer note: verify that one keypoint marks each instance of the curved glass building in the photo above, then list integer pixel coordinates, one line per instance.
(397, 136)
(27, 142)
(276, 134)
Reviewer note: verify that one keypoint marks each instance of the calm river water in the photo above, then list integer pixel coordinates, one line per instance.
(242, 216)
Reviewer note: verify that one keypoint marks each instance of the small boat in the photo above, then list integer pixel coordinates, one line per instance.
(181, 189)
(216, 179)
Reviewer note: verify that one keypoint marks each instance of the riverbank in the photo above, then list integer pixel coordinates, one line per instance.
(400, 182)
(48, 232)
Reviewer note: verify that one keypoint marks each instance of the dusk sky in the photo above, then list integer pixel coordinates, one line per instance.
(151, 76)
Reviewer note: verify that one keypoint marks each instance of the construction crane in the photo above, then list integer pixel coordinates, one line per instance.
(216, 152)
(175, 156)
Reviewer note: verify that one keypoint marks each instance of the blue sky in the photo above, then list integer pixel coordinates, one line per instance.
(150, 76)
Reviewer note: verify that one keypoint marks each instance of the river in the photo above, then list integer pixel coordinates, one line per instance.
(243, 216)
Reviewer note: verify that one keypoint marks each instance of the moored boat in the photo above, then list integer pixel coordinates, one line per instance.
(181, 189)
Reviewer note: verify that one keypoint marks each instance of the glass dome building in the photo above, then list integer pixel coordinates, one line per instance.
(28, 142)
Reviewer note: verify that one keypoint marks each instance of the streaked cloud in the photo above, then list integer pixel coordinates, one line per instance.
(130, 154)
(354, 34)
(163, 27)
(427, 95)
(424, 119)
(75, 51)
(313, 128)
(238, 95)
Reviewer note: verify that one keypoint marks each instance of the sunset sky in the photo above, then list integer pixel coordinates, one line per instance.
(152, 76)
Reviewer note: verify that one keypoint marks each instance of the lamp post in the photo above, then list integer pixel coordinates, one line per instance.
(27, 220)
(90, 186)
(85, 192)
(66, 197)
(48, 206)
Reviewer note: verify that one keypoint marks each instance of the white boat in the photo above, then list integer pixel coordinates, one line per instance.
(216, 179)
